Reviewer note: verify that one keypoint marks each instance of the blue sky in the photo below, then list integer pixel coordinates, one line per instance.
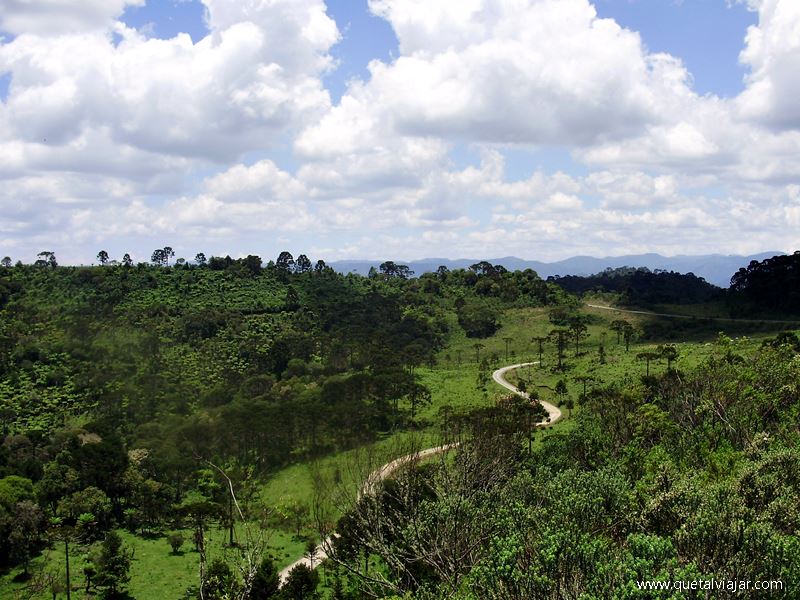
(486, 128)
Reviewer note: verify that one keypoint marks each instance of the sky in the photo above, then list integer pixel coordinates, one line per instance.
(399, 129)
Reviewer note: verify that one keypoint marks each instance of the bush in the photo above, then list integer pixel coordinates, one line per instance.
(175, 541)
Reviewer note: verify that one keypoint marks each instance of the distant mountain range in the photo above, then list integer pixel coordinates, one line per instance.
(714, 268)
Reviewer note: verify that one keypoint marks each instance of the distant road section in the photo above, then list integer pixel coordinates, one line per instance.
(699, 318)
(386, 471)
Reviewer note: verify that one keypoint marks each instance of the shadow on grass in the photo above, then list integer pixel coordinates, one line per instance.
(21, 577)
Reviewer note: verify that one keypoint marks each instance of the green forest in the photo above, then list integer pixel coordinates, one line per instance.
(188, 429)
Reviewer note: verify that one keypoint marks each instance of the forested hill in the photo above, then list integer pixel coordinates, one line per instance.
(317, 356)
(642, 287)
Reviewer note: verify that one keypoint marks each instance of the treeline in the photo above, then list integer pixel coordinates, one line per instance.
(681, 476)
(772, 284)
(641, 286)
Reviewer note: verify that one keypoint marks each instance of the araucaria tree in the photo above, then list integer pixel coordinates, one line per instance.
(560, 337)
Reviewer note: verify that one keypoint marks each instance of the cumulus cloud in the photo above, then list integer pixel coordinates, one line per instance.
(105, 131)
(48, 17)
(772, 51)
(256, 73)
(521, 71)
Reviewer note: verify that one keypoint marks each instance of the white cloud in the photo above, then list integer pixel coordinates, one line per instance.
(522, 71)
(257, 73)
(105, 133)
(49, 17)
(772, 51)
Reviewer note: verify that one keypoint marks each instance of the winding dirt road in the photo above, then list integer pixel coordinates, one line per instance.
(321, 552)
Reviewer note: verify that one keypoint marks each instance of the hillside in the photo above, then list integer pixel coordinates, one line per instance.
(135, 398)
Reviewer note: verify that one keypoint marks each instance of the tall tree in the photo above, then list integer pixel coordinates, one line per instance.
(113, 564)
(285, 262)
(579, 332)
(127, 261)
(200, 259)
(540, 340)
(158, 258)
(27, 527)
(618, 326)
(648, 357)
(560, 336)
(670, 353)
(6, 262)
(168, 253)
(102, 257)
(47, 258)
(302, 264)
(478, 347)
(507, 340)
(628, 332)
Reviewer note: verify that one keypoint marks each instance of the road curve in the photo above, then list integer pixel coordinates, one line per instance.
(699, 318)
(385, 471)
(553, 412)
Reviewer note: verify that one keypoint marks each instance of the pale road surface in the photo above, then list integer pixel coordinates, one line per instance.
(554, 414)
(674, 316)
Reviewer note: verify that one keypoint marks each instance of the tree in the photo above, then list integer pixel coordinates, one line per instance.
(168, 253)
(302, 264)
(670, 353)
(477, 319)
(219, 583)
(584, 379)
(540, 340)
(619, 326)
(113, 564)
(418, 394)
(647, 357)
(46, 259)
(301, 584)
(27, 526)
(478, 347)
(158, 258)
(102, 257)
(628, 332)
(175, 542)
(6, 262)
(200, 259)
(127, 261)
(507, 340)
(578, 330)
(390, 269)
(60, 530)
(266, 582)
(560, 337)
(311, 552)
(285, 262)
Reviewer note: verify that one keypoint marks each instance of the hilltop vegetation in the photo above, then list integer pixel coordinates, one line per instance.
(642, 287)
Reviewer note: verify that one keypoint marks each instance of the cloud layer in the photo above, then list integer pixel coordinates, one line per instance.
(108, 136)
